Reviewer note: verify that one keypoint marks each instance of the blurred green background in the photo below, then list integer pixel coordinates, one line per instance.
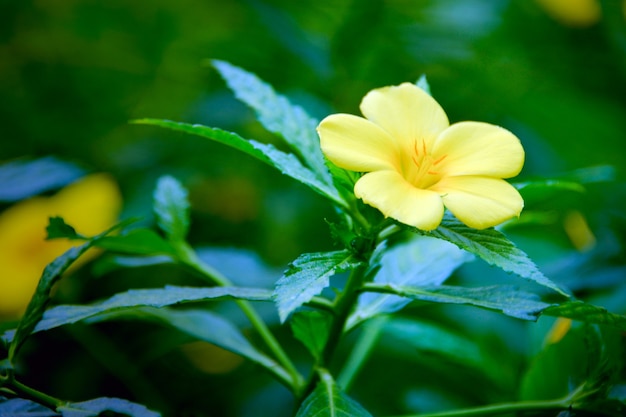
(74, 72)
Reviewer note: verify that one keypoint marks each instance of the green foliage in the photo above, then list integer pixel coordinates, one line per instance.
(587, 313)
(171, 207)
(57, 228)
(311, 328)
(97, 406)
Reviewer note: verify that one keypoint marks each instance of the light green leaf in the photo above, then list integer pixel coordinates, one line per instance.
(506, 299)
(422, 83)
(494, 248)
(311, 328)
(171, 207)
(307, 276)
(136, 242)
(157, 297)
(328, 400)
(95, 407)
(420, 261)
(587, 313)
(286, 163)
(278, 116)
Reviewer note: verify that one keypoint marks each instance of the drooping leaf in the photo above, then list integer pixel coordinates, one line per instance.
(286, 163)
(506, 299)
(157, 297)
(25, 178)
(278, 116)
(328, 400)
(587, 313)
(171, 207)
(57, 228)
(19, 407)
(311, 328)
(307, 276)
(93, 408)
(494, 248)
(136, 242)
(421, 261)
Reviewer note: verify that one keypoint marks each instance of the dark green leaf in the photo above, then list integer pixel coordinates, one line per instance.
(22, 179)
(288, 164)
(494, 248)
(93, 408)
(57, 228)
(278, 116)
(307, 276)
(311, 328)
(588, 313)
(108, 263)
(157, 297)
(506, 299)
(421, 261)
(136, 242)
(327, 400)
(171, 207)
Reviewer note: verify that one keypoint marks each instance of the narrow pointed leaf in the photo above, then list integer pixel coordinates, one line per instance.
(171, 207)
(421, 261)
(422, 83)
(278, 115)
(95, 407)
(588, 313)
(328, 400)
(505, 299)
(286, 163)
(157, 297)
(494, 248)
(307, 276)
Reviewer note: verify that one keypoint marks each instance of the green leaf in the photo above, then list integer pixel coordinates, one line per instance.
(327, 400)
(157, 297)
(420, 261)
(136, 242)
(587, 313)
(19, 407)
(287, 163)
(95, 407)
(422, 83)
(505, 299)
(307, 276)
(494, 248)
(278, 115)
(57, 228)
(171, 207)
(311, 328)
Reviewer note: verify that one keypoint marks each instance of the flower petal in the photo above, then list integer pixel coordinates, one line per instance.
(407, 112)
(475, 148)
(354, 143)
(480, 202)
(398, 199)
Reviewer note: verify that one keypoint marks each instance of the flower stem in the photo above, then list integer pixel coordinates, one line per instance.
(189, 258)
(38, 396)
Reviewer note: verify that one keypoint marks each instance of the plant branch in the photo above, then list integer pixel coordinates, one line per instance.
(38, 396)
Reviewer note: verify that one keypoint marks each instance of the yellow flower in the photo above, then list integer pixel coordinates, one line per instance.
(91, 205)
(415, 162)
(575, 13)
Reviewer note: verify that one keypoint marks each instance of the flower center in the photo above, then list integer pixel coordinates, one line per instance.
(422, 172)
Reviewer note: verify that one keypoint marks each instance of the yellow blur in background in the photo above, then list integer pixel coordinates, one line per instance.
(90, 205)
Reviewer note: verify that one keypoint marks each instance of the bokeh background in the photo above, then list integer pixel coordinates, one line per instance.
(74, 72)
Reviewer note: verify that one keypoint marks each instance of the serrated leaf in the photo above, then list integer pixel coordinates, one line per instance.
(587, 313)
(136, 242)
(93, 408)
(311, 328)
(278, 115)
(171, 207)
(421, 261)
(494, 248)
(506, 299)
(307, 276)
(25, 178)
(286, 163)
(328, 400)
(157, 297)
(422, 83)
(57, 228)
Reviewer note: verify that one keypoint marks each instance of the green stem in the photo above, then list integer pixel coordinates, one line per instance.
(38, 396)
(188, 257)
